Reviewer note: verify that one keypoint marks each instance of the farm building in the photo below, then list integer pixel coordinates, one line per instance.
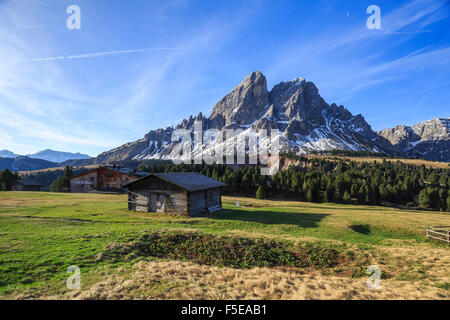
(188, 194)
(103, 179)
(27, 185)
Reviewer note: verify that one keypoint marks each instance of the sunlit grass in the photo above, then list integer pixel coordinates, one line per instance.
(41, 234)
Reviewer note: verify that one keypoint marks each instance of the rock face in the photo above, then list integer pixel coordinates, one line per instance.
(306, 123)
(429, 140)
(242, 105)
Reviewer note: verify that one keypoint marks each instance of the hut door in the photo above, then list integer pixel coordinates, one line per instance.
(160, 203)
(157, 202)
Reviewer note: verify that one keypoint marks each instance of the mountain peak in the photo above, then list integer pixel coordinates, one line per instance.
(7, 154)
(244, 104)
(254, 75)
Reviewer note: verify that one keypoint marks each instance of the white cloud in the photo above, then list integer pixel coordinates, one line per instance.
(102, 54)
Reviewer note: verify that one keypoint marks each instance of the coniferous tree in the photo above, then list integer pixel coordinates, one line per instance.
(354, 190)
(329, 193)
(448, 201)
(260, 193)
(362, 194)
(8, 178)
(424, 199)
(57, 185)
(347, 198)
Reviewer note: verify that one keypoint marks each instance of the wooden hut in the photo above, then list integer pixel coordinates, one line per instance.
(27, 185)
(103, 179)
(188, 194)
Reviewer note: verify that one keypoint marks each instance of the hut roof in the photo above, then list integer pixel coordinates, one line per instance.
(125, 171)
(190, 181)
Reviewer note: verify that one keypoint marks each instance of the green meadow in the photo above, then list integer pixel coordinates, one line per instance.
(42, 234)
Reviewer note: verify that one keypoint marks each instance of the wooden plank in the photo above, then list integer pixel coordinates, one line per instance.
(440, 233)
(437, 238)
(433, 233)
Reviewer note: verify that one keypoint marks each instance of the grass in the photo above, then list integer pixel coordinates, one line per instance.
(416, 162)
(42, 234)
(88, 167)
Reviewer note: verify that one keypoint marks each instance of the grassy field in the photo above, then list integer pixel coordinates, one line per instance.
(42, 234)
(416, 162)
(88, 167)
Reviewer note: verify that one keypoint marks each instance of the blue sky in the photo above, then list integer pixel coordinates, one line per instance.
(141, 65)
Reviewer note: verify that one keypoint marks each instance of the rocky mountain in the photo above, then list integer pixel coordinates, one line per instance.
(7, 154)
(305, 120)
(22, 163)
(429, 140)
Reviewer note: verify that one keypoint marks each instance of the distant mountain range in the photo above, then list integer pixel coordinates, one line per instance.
(306, 121)
(22, 163)
(58, 156)
(47, 154)
(41, 160)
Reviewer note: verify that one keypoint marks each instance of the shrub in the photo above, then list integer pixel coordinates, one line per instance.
(226, 252)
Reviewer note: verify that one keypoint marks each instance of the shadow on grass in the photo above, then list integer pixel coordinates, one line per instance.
(362, 229)
(304, 220)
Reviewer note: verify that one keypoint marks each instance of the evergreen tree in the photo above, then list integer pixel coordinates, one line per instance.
(68, 172)
(260, 193)
(329, 193)
(247, 184)
(362, 194)
(424, 199)
(442, 199)
(310, 195)
(8, 178)
(347, 198)
(57, 185)
(434, 198)
(448, 201)
(62, 184)
(354, 190)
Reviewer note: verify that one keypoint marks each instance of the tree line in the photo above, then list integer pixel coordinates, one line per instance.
(313, 180)
(337, 181)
